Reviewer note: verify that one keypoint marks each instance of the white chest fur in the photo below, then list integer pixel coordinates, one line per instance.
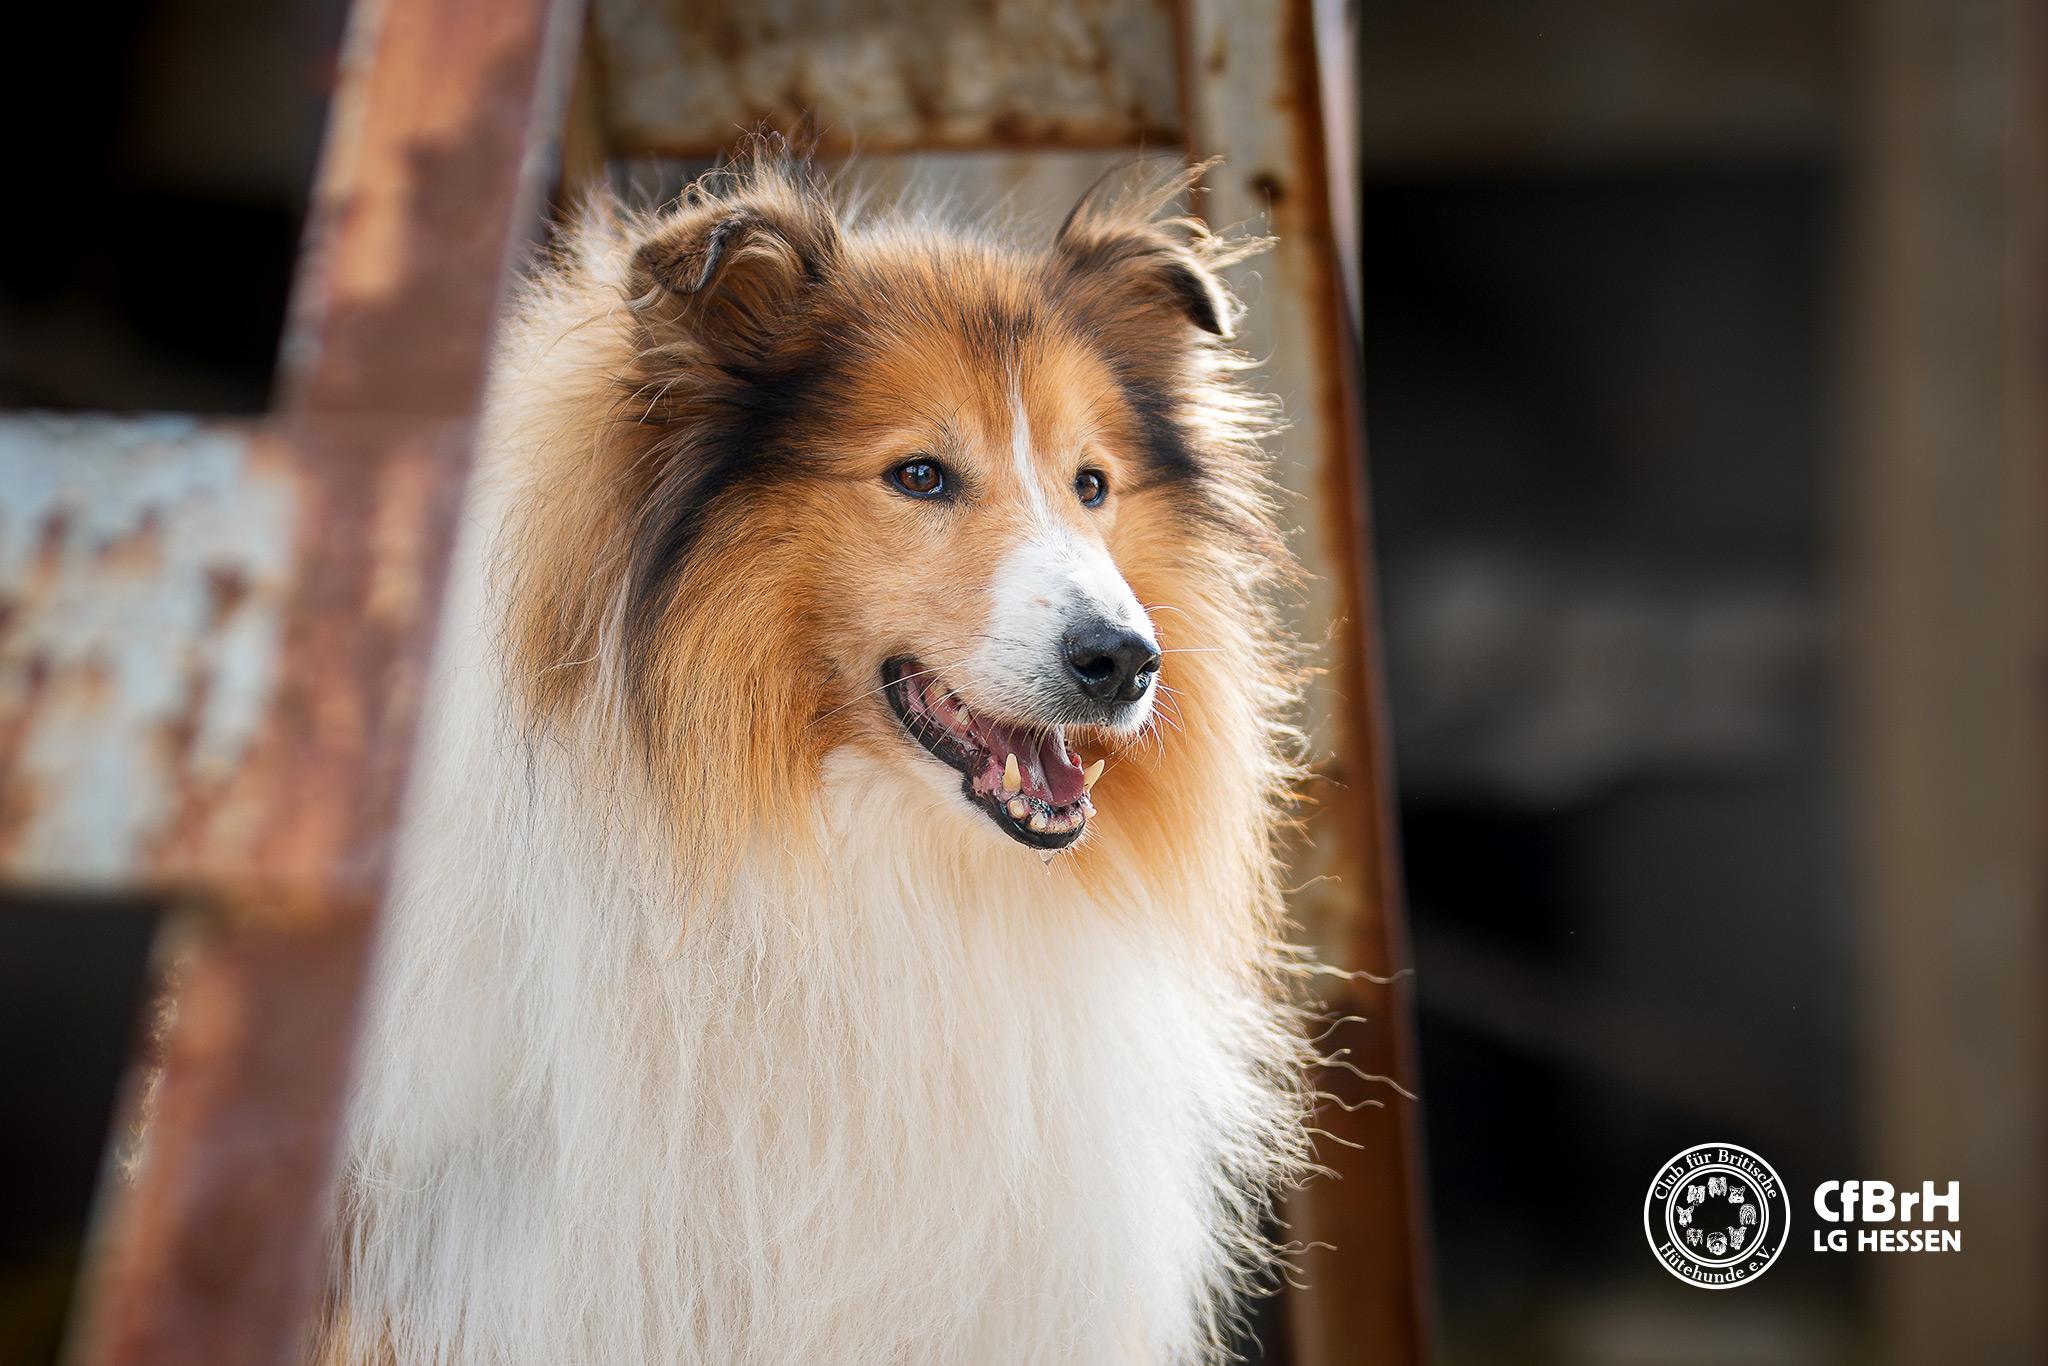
(901, 1103)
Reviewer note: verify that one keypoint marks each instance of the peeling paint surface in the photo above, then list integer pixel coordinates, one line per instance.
(682, 78)
(142, 566)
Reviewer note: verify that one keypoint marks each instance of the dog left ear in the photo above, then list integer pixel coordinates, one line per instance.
(1125, 254)
(733, 261)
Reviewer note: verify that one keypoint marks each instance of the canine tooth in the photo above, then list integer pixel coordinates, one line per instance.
(1013, 781)
(1038, 821)
(1019, 808)
(1091, 773)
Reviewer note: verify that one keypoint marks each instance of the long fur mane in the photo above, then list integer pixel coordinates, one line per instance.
(678, 1052)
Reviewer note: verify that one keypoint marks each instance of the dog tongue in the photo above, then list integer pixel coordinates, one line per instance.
(1049, 772)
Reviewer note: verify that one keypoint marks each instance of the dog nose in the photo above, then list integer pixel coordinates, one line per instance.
(1111, 663)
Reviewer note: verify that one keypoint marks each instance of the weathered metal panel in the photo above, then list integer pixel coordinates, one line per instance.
(212, 644)
(681, 78)
(143, 566)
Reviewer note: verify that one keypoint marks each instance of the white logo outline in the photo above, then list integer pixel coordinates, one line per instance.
(1729, 1255)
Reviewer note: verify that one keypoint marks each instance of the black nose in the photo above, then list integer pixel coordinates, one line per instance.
(1110, 663)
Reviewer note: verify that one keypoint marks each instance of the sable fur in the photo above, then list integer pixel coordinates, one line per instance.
(711, 1025)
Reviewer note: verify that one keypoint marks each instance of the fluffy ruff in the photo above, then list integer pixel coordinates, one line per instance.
(714, 1022)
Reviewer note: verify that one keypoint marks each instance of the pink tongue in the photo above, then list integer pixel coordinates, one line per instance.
(1042, 761)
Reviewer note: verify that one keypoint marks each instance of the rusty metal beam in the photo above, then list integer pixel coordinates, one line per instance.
(1253, 90)
(231, 623)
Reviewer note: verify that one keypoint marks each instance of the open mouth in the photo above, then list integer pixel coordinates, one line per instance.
(1020, 773)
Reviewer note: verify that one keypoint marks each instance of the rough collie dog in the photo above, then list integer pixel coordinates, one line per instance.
(837, 916)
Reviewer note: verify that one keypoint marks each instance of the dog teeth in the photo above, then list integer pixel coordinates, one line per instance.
(1038, 821)
(1013, 780)
(1019, 808)
(1091, 773)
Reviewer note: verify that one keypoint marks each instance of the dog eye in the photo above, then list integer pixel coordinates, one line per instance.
(919, 478)
(1092, 487)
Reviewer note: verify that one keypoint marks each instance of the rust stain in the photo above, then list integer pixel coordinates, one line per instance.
(139, 550)
(727, 39)
(18, 805)
(51, 538)
(177, 741)
(20, 795)
(227, 588)
(1270, 189)
(92, 684)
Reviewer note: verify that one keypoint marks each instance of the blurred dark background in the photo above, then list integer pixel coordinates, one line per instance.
(146, 257)
(72, 976)
(1659, 540)
(1602, 415)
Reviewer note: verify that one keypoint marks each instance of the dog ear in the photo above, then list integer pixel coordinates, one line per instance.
(732, 264)
(1121, 252)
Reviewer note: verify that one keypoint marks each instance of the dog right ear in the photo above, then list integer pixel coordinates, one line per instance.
(730, 271)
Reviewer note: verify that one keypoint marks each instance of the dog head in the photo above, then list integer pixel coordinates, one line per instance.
(984, 514)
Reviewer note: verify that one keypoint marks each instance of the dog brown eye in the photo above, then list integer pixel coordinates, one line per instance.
(1092, 487)
(919, 478)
